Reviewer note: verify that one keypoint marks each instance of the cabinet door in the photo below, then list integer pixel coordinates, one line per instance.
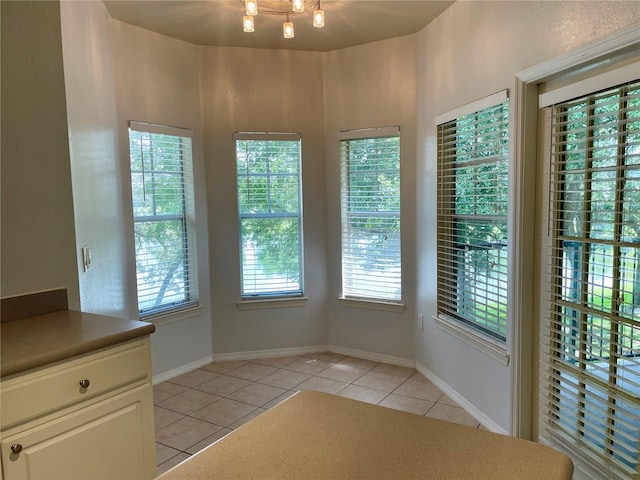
(109, 440)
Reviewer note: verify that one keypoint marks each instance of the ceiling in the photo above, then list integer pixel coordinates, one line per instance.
(219, 22)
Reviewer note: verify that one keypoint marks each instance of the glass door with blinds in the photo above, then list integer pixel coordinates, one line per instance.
(590, 299)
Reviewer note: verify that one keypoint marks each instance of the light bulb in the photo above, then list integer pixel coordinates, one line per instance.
(298, 5)
(251, 7)
(247, 23)
(287, 29)
(318, 18)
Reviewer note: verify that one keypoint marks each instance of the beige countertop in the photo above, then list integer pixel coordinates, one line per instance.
(43, 339)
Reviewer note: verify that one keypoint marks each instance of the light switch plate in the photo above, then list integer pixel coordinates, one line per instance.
(86, 258)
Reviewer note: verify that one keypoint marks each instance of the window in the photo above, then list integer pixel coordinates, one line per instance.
(590, 337)
(163, 208)
(270, 214)
(472, 207)
(370, 194)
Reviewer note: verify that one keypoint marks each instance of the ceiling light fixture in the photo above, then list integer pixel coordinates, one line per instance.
(287, 29)
(287, 7)
(318, 17)
(298, 5)
(251, 7)
(247, 23)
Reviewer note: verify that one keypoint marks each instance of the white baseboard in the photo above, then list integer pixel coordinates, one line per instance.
(286, 352)
(163, 377)
(460, 400)
(282, 352)
(276, 352)
(375, 357)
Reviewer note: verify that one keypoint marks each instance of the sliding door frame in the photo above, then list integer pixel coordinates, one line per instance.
(524, 331)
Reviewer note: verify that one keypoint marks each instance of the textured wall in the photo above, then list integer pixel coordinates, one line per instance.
(97, 172)
(472, 50)
(274, 91)
(38, 241)
(367, 86)
(158, 81)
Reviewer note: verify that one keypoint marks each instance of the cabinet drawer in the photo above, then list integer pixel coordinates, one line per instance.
(49, 389)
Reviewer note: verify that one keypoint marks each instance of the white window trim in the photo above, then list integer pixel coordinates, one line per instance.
(176, 315)
(593, 84)
(378, 132)
(280, 302)
(371, 304)
(266, 300)
(160, 129)
(266, 136)
(472, 337)
(361, 302)
(480, 104)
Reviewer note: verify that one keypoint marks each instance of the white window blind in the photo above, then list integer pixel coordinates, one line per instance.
(472, 218)
(270, 213)
(590, 299)
(163, 206)
(370, 195)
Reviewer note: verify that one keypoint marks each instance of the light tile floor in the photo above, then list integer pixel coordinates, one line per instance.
(195, 409)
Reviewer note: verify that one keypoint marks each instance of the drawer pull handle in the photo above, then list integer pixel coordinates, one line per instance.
(16, 448)
(85, 383)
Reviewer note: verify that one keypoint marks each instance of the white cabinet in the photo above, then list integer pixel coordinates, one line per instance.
(87, 418)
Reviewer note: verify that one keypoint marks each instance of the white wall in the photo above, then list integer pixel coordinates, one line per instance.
(38, 239)
(472, 50)
(98, 194)
(372, 85)
(260, 90)
(116, 73)
(158, 81)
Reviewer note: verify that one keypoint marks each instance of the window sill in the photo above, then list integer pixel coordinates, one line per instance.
(173, 315)
(272, 303)
(371, 304)
(481, 343)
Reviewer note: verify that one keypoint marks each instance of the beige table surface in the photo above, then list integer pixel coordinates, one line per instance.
(314, 435)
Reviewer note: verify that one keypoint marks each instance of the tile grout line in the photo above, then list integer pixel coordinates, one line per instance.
(287, 391)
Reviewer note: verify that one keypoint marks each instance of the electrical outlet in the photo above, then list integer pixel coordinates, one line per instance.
(420, 321)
